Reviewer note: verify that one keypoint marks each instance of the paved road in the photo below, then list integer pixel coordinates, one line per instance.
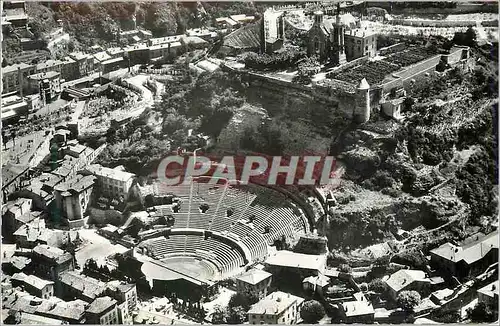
(97, 248)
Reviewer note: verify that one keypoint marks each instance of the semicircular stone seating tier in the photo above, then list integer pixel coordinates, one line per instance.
(253, 215)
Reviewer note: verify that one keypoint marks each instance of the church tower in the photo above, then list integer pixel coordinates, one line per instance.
(338, 39)
(362, 110)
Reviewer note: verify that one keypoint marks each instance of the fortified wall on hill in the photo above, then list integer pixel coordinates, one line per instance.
(356, 88)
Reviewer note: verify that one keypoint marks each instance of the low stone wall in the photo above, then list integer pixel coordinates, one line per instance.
(432, 23)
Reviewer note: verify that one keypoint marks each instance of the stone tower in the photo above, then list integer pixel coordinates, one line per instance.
(337, 39)
(362, 110)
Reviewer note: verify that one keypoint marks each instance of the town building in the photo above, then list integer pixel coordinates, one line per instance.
(255, 282)
(273, 30)
(13, 107)
(69, 69)
(47, 84)
(15, 214)
(303, 264)
(85, 63)
(359, 43)
(405, 280)
(327, 37)
(72, 198)
(316, 284)
(34, 233)
(165, 50)
(34, 285)
(14, 77)
(277, 308)
(72, 312)
(50, 262)
(358, 311)
(14, 177)
(489, 294)
(466, 260)
(14, 12)
(112, 182)
(75, 285)
(24, 318)
(102, 311)
(126, 296)
(123, 291)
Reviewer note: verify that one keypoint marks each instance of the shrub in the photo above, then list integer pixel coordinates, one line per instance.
(377, 285)
(408, 300)
(312, 311)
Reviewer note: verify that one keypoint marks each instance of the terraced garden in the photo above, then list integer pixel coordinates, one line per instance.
(373, 71)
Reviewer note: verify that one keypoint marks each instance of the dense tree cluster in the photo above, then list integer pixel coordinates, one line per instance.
(283, 59)
(475, 182)
(307, 68)
(408, 300)
(358, 229)
(312, 311)
(236, 311)
(483, 313)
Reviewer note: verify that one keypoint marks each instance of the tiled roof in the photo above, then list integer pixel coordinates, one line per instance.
(470, 252)
(32, 280)
(254, 276)
(403, 278)
(11, 171)
(245, 37)
(357, 308)
(53, 253)
(490, 290)
(100, 305)
(87, 286)
(120, 286)
(99, 170)
(275, 303)
(76, 184)
(295, 260)
(15, 67)
(32, 319)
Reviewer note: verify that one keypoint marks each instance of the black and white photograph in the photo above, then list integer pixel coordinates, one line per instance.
(249, 162)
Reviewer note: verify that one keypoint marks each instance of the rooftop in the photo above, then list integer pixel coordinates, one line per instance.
(291, 259)
(79, 55)
(360, 32)
(358, 308)
(76, 184)
(16, 206)
(471, 252)
(100, 305)
(113, 60)
(121, 286)
(403, 278)
(319, 280)
(11, 171)
(275, 303)
(491, 290)
(73, 310)
(53, 253)
(345, 19)
(44, 75)
(19, 262)
(48, 64)
(87, 286)
(167, 39)
(33, 319)
(101, 171)
(32, 280)
(254, 276)
(15, 67)
(35, 231)
(102, 56)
